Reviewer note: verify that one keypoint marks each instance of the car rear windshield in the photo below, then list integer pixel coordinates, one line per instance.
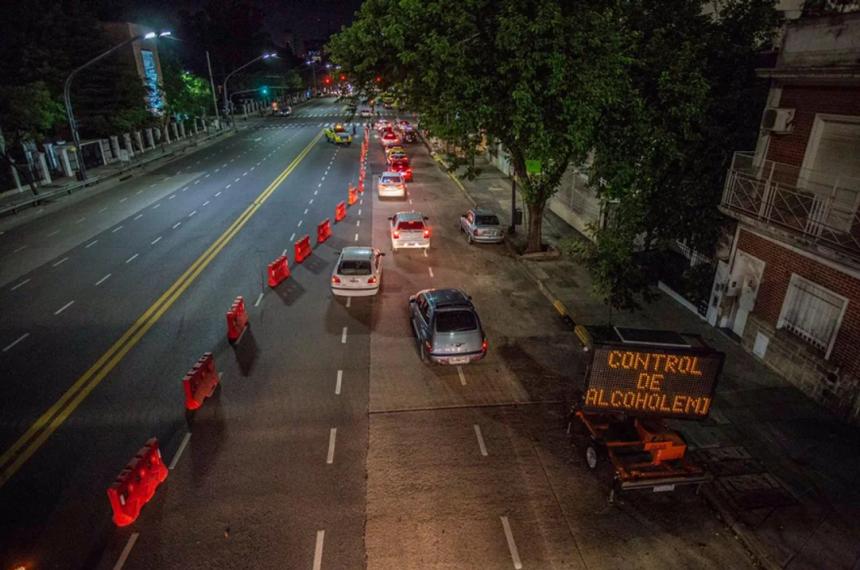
(487, 221)
(399, 164)
(391, 180)
(354, 267)
(455, 321)
(410, 225)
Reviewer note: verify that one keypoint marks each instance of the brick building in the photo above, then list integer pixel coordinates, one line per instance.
(790, 288)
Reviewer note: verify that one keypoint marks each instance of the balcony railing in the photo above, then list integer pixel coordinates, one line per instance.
(820, 206)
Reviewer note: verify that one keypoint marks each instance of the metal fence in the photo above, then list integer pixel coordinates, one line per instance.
(821, 206)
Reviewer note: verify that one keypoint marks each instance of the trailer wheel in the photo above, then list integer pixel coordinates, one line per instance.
(592, 455)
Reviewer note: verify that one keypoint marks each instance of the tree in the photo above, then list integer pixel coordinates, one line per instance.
(27, 114)
(185, 93)
(662, 150)
(535, 75)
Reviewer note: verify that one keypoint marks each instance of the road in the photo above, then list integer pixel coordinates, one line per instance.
(328, 443)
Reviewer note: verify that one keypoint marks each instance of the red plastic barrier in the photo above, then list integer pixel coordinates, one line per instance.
(361, 186)
(237, 319)
(303, 248)
(340, 211)
(352, 195)
(136, 484)
(200, 382)
(279, 270)
(323, 231)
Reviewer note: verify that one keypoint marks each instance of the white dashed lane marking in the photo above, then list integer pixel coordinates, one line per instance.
(64, 307)
(14, 342)
(21, 284)
(103, 279)
(62, 261)
(132, 258)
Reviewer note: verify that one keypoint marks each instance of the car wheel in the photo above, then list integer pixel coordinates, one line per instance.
(593, 455)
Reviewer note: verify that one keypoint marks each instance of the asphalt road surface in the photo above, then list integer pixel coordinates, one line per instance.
(328, 443)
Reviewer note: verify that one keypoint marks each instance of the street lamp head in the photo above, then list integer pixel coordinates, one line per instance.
(164, 34)
(149, 36)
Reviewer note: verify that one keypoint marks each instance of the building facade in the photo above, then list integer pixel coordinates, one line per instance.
(790, 289)
(142, 56)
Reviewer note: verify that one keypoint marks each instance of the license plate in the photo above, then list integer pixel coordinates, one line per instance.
(459, 360)
(663, 488)
(412, 244)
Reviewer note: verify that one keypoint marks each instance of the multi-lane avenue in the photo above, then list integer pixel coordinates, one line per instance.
(328, 443)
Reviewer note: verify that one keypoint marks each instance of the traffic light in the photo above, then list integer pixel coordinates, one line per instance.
(264, 90)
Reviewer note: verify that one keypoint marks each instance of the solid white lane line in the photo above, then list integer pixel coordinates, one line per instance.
(300, 223)
(343, 336)
(292, 237)
(126, 551)
(21, 284)
(512, 546)
(480, 437)
(62, 261)
(356, 237)
(430, 269)
(179, 451)
(157, 205)
(318, 550)
(337, 386)
(206, 203)
(16, 341)
(461, 375)
(306, 211)
(132, 258)
(192, 213)
(64, 307)
(137, 217)
(331, 437)
(116, 229)
(155, 241)
(176, 225)
(257, 302)
(92, 243)
(103, 279)
(218, 193)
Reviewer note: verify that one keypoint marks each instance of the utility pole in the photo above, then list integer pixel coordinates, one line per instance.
(212, 84)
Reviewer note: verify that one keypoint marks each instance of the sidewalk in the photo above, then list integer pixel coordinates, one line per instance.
(785, 470)
(13, 202)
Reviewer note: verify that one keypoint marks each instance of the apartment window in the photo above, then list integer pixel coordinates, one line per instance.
(812, 312)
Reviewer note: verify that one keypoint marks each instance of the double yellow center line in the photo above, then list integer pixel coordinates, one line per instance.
(24, 448)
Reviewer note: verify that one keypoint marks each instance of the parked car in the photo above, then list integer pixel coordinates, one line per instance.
(391, 185)
(409, 230)
(357, 273)
(481, 225)
(447, 327)
(401, 166)
(338, 134)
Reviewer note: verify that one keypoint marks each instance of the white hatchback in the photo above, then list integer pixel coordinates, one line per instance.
(357, 273)
(409, 230)
(391, 185)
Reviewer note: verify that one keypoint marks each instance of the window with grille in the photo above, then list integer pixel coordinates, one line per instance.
(812, 312)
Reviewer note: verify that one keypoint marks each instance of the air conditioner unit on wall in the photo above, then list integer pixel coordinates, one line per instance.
(778, 120)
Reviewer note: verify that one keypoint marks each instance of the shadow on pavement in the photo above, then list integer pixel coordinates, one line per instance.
(289, 291)
(245, 351)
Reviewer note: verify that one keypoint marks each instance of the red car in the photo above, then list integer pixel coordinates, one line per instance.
(403, 167)
(389, 139)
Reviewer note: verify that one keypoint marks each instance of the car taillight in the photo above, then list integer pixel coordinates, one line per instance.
(484, 345)
(426, 232)
(396, 234)
(335, 279)
(371, 281)
(428, 345)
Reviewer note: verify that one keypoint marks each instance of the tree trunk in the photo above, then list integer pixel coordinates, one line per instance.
(535, 244)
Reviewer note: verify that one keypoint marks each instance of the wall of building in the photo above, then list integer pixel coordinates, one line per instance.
(807, 101)
(834, 382)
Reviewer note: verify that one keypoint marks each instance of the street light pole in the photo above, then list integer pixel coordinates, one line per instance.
(212, 84)
(234, 72)
(313, 65)
(67, 87)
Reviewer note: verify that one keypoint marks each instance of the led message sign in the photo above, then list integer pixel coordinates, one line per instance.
(669, 383)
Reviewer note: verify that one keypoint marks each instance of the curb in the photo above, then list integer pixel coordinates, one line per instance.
(748, 539)
(123, 174)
